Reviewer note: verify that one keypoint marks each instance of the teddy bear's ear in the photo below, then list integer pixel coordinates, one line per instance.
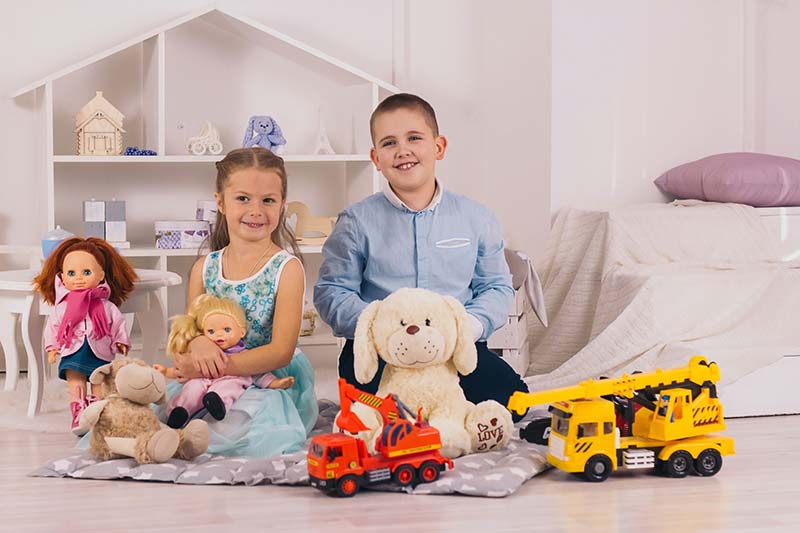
(99, 374)
(465, 356)
(365, 353)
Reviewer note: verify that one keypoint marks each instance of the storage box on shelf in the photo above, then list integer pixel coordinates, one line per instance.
(170, 80)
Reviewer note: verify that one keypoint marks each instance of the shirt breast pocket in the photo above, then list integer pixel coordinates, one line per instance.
(456, 262)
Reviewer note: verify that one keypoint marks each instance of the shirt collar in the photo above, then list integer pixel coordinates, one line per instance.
(399, 204)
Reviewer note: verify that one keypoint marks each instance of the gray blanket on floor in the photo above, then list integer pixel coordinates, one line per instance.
(492, 474)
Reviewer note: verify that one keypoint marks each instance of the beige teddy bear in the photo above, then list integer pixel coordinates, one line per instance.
(426, 341)
(123, 424)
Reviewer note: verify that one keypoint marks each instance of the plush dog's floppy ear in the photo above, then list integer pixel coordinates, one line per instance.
(99, 375)
(365, 353)
(465, 356)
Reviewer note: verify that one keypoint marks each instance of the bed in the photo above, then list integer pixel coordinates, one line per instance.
(650, 285)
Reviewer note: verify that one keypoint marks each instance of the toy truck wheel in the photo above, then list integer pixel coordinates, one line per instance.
(347, 486)
(404, 475)
(708, 462)
(428, 472)
(597, 468)
(197, 148)
(679, 464)
(215, 148)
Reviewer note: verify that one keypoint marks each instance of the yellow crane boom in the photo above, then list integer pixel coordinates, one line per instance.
(699, 371)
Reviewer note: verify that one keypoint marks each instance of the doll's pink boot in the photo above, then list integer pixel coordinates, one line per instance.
(76, 407)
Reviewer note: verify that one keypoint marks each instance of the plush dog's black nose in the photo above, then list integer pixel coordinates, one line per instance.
(412, 329)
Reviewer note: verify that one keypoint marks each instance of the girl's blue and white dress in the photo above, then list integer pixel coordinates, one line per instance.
(262, 422)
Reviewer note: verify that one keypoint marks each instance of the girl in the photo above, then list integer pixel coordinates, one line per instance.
(249, 264)
(224, 323)
(85, 280)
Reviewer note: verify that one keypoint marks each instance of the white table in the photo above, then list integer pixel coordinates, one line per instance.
(17, 297)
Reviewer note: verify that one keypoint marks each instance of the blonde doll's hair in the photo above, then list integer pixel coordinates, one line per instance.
(189, 326)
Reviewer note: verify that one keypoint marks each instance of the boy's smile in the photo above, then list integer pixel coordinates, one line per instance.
(405, 152)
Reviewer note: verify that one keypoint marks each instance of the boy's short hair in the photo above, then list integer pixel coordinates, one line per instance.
(405, 101)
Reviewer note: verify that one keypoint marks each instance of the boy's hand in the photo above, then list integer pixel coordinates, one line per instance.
(51, 355)
(122, 348)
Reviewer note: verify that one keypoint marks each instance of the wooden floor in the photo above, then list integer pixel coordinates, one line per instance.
(757, 489)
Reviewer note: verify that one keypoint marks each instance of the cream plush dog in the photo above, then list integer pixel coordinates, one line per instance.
(122, 423)
(424, 339)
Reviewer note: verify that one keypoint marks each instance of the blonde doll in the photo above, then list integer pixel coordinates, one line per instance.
(223, 322)
(84, 280)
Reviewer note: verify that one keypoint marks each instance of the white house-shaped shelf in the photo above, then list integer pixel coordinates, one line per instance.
(215, 65)
(212, 65)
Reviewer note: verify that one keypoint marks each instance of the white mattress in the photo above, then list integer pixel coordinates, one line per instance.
(648, 286)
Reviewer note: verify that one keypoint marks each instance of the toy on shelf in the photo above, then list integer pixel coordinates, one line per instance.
(309, 321)
(323, 144)
(178, 234)
(52, 239)
(105, 219)
(206, 211)
(206, 140)
(124, 425)
(263, 131)
(134, 150)
(658, 420)
(309, 230)
(407, 452)
(98, 126)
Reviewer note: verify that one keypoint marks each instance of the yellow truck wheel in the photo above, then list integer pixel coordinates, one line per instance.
(708, 462)
(679, 464)
(597, 468)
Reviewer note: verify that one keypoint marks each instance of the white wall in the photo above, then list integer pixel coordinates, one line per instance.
(474, 62)
(639, 87)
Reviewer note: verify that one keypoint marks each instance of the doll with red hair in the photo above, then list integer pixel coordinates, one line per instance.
(85, 280)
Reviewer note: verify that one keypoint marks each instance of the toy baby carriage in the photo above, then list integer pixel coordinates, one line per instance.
(207, 140)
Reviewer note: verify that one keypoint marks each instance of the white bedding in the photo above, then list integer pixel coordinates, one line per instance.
(651, 285)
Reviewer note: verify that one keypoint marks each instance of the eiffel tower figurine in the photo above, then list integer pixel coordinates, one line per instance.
(323, 144)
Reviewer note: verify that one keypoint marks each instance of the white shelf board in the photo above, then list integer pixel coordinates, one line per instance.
(148, 251)
(125, 159)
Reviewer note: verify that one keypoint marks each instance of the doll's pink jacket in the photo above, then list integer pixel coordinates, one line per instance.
(104, 348)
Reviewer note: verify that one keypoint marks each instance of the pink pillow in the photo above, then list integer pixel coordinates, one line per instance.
(759, 180)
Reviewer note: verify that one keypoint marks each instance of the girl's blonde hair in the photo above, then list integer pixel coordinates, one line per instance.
(189, 326)
(255, 157)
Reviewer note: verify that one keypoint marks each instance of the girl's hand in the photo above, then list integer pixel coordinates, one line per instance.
(51, 355)
(122, 349)
(204, 359)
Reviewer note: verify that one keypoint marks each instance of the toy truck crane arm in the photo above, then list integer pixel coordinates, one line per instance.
(390, 407)
(697, 373)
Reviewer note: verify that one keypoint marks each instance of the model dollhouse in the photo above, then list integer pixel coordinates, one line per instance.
(98, 126)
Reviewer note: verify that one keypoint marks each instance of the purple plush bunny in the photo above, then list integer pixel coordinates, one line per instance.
(263, 131)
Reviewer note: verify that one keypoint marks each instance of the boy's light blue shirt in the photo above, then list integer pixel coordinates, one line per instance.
(454, 246)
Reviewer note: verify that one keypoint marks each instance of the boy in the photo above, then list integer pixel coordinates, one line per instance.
(415, 234)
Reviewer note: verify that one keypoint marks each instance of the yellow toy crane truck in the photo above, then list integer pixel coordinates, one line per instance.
(662, 420)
